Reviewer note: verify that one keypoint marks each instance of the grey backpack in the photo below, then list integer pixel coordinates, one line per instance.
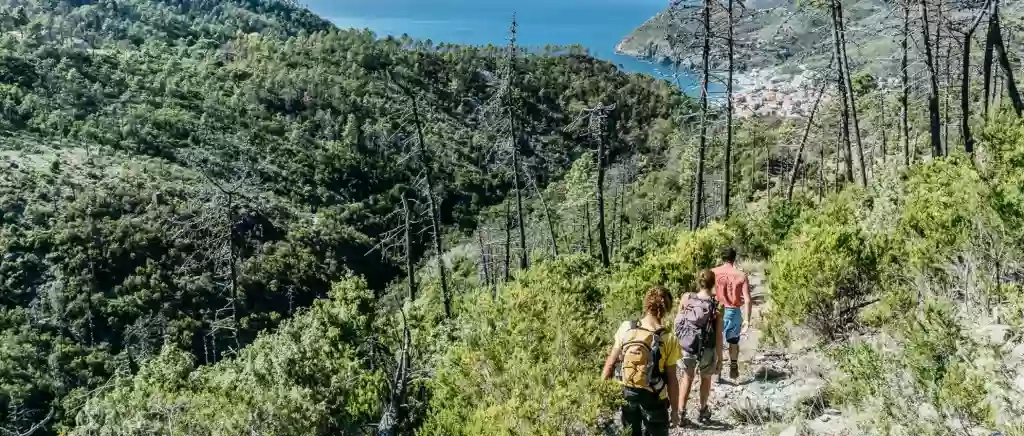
(695, 325)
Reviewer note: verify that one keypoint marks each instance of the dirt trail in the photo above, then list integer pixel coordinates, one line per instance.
(755, 373)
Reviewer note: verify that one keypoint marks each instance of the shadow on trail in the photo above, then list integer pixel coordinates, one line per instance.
(765, 375)
(713, 425)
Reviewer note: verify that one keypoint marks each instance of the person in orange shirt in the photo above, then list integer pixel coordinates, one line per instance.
(733, 290)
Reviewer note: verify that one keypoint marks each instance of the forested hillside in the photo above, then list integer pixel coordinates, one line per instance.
(231, 217)
(188, 174)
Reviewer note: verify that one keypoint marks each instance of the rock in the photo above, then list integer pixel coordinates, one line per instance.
(927, 412)
(994, 334)
(790, 431)
(833, 412)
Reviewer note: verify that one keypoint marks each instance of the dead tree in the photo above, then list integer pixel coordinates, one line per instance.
(807, 132)
(994, 43)
(219, 231)
(508, 240)
(905, 86)
(7, 431)
(401, 236)
(552, 233)
(844, 65)
(433, 211)
(391, 419)
(844, 112)
(503, 115)
(596, 120)
(965, 79)
(933, 82)
(731, 42)
(698, 195)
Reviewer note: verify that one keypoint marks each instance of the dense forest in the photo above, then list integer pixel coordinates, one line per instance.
(231, 217)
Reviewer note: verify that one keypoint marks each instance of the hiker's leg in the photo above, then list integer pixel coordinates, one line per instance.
(705, 390)
(707, 370)
(633, 417)
(656, 418)
(733, 326)
(689, 367)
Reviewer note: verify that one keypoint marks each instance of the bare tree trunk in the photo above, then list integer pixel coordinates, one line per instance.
(233, 269)
(988, 61)
(524, 261)
(965, 82)
(698, 197)
(410, 271)
(807, 132)
(843, 102)
(602, 236)
(590, 236)
(508, 240)
(884, 126)
(845, 66)
(552, 233)
(905, 88)
(727, 195)
(435, 217)
(391, 419)
(614, 217)
(821, 172)
(933, 83)
(1004, 63)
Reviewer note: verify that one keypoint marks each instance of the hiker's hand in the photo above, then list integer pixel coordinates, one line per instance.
(718, 364)
(746, 328)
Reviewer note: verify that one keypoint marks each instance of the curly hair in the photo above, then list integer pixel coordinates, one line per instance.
(706, 279)
(657, 302)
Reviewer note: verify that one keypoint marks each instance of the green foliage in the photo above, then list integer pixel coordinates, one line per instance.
(310, 377)
(1003, 141)
(763, 225)
(195, 173)
(526, 363)
(676, 268)
(940, 217)
(823, 274)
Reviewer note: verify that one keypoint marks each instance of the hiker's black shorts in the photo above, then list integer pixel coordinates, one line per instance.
(645, 413)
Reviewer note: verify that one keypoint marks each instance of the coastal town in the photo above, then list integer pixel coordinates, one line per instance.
(765, 93)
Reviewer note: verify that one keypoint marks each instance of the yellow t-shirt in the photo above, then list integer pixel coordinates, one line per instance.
(670, 350)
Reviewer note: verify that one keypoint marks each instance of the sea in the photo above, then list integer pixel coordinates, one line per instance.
(597, 25)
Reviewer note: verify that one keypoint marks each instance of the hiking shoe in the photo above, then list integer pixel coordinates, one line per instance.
(734, 370)
(705, 415)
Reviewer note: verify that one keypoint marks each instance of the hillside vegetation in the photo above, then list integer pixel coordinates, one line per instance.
(218, 218)
(189, 174)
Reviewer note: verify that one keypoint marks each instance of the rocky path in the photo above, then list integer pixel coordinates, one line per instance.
(772, 383)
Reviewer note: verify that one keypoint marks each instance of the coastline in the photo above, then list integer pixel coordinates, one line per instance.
(757, 92)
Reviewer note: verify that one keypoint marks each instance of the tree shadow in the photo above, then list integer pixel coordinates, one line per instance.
(765, 374)
(714, 425)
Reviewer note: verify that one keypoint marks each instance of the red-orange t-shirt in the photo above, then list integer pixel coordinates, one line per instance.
(730, 285)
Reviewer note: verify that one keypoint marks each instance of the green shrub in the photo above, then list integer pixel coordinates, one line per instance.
(763, 225)
(677, 267)
(826, 272)
(310, 377)
(529, 362)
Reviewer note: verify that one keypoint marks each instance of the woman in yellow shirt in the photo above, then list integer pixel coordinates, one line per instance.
(645, 354)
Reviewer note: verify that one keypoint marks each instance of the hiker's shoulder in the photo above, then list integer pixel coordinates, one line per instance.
(624, 327)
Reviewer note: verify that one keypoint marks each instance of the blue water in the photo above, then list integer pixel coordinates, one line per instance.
(597, 25)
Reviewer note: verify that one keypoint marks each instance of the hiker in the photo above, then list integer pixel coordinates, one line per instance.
(644, 361)
(698, 328)
(733, 290)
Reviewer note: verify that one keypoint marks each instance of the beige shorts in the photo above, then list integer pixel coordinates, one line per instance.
(706, 366)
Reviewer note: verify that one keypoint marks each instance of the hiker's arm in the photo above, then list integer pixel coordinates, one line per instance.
(747, 304)
(609, 364)
(719, 334)
(673, 390)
